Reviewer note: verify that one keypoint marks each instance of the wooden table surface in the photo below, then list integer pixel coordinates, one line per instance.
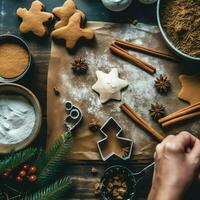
(36, 80)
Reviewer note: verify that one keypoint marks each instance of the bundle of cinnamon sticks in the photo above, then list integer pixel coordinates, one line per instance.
(117, 48)
(136, 118)
(186, 113)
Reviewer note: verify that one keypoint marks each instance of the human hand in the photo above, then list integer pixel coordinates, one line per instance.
(177, 163)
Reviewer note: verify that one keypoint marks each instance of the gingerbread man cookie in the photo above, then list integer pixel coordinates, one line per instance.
(73, 32)
(33, 19)
(65, 12)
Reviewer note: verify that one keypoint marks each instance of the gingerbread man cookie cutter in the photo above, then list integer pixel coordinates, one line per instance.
(112, 122)
(74, 116)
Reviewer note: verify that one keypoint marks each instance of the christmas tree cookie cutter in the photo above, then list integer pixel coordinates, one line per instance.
(74, 116)
(127, 144)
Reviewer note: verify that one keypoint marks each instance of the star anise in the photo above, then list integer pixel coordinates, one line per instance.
(94, 125)
(157, 111)
(79, 66)
(162, 84)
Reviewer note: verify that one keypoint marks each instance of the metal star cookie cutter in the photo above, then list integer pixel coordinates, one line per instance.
(112, 122)
(74, 116)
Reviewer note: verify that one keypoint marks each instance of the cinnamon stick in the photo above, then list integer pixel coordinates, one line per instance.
(133, 59)
(188, 107)
(150, 51)
(135, 117)
(181, 112)
(181, 118)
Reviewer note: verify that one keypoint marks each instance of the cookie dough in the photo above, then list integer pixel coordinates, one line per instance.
(73, 32)
(65, 12)
(33, 19)
(109, 85)
(190, 91)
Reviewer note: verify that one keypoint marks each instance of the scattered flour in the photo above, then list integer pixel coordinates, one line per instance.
(141, 85)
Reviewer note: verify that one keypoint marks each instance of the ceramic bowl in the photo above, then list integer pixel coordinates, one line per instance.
(12, 88)
(15, 39)
(167, 39)
(117, 5)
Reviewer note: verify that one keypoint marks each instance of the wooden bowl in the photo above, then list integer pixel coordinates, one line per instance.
(12, 88)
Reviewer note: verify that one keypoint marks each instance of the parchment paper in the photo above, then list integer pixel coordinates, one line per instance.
(139, 95)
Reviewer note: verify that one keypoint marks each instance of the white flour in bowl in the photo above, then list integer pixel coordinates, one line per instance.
(17, 119)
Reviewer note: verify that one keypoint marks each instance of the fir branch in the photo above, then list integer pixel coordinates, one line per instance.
(41, 160)
(49, 165)
(52, 192)
(16, 159)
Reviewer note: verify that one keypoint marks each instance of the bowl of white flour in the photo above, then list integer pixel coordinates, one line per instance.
(20, 117)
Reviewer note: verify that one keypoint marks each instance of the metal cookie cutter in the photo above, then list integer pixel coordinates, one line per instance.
(131, 180)
(74, 117)
(129, 142)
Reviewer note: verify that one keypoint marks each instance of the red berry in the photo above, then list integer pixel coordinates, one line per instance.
(25, 167)
(32, 170)
(32, 178)
(22, 173)
(19, 179)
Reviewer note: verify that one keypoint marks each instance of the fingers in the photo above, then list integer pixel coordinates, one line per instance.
(186, 139)
(196, 148)
(194, 155)
(192, 147)
(184, 142)
(181, 143)
(160, 147)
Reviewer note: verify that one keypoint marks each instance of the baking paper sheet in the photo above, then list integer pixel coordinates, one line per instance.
(140, 94)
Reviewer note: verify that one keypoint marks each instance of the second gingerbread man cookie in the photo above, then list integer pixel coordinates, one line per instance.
(73, 32)
(34, 19)
(65, 12)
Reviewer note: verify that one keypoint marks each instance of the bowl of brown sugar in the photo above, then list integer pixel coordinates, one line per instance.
(15, 58)
(179, 23)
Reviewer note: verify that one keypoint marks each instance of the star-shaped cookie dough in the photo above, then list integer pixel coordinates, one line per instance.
(73, 32)
(33, 19)
(65, 12)
(109, 85)
(190, 91)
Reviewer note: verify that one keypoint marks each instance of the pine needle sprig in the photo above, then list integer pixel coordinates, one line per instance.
(15, 159)
(54, 157)
(41, 160)
(51, 192)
